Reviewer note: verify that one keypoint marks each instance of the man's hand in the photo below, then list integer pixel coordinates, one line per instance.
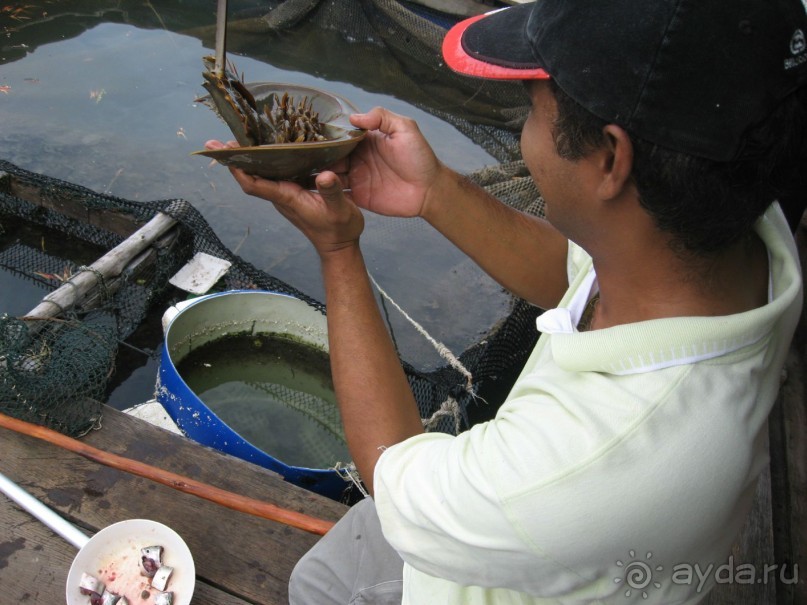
(328, 218)
(391, 172)
(393, 169)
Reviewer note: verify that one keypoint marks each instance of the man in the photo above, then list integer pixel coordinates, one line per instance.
(632, 441)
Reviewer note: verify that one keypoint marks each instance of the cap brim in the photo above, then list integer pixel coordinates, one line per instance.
(474, 46)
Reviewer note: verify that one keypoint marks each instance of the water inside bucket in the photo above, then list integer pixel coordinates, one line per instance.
(275, 392)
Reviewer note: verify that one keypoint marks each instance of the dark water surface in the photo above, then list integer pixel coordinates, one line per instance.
(102, 94)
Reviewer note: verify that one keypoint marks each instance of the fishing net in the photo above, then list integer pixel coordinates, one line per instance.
(55, 371)
(408, 36)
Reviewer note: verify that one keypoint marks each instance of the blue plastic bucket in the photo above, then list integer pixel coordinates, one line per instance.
(194, 323)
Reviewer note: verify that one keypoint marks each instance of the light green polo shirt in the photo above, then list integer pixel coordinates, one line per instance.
(630, 449)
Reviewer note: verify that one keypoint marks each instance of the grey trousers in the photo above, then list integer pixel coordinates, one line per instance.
(350, 565)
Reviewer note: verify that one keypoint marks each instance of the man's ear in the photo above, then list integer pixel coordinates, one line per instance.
(616, 162)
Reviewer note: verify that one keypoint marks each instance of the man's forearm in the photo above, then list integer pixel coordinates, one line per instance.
(375, 400)
(524, 253)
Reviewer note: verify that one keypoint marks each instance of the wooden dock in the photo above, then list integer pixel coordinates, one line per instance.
(239, 558)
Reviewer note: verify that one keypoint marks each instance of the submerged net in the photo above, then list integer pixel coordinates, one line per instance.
(55, 371)
(408, 36)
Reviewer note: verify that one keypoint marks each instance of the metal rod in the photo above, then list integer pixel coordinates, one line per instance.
(221, 37)
(64, 528)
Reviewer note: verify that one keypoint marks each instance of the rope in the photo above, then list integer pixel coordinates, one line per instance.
(100, 280)
(450, 407)
(443, 350)
(350, 474)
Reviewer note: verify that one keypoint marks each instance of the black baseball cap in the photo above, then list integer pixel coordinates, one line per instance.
(689, 75)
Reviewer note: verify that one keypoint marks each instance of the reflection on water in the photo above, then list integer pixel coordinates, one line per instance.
(103, 95)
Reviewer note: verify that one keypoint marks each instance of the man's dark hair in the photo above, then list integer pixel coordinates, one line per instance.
(703, 204)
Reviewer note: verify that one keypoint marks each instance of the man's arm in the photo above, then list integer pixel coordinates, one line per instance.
(377, 406)
(394, 172)
(376, 403)
(524, 253)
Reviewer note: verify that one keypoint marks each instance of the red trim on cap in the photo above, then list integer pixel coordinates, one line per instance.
(460, 61)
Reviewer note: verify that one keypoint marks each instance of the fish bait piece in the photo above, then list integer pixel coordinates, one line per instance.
(151, 560)
(90, 585)
(160, 579)
(164, 598)
(110, 598)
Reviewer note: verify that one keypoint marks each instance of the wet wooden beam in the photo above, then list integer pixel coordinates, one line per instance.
(110, 265)
(71, 204)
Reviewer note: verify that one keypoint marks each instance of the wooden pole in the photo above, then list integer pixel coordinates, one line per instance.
(184, 484)
(221, 38)
(108, 266)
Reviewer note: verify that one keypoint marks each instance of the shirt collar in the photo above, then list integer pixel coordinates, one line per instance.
(656, 344)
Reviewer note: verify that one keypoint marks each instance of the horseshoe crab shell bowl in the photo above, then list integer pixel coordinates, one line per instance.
(292, 160)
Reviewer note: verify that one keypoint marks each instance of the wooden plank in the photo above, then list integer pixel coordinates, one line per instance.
(240, 554)
(71, 204)
(754, 547)
(35, 561)
(789, 479)
(788, 426)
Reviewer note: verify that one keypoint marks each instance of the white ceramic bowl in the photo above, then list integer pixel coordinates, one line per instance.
(113, 556)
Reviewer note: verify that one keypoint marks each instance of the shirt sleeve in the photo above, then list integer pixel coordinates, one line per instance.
(439, 511)
(439, 497)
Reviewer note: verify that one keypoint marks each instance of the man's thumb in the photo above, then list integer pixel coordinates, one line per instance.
(329, 186)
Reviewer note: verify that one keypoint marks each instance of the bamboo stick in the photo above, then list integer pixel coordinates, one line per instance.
(221, 37)
(184, 484)
(109, 265)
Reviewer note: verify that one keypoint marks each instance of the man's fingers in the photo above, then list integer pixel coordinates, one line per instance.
(214, 144)
(329, 186)
(382, 120)
(248, 182)
(369, 121)
(259, 187)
